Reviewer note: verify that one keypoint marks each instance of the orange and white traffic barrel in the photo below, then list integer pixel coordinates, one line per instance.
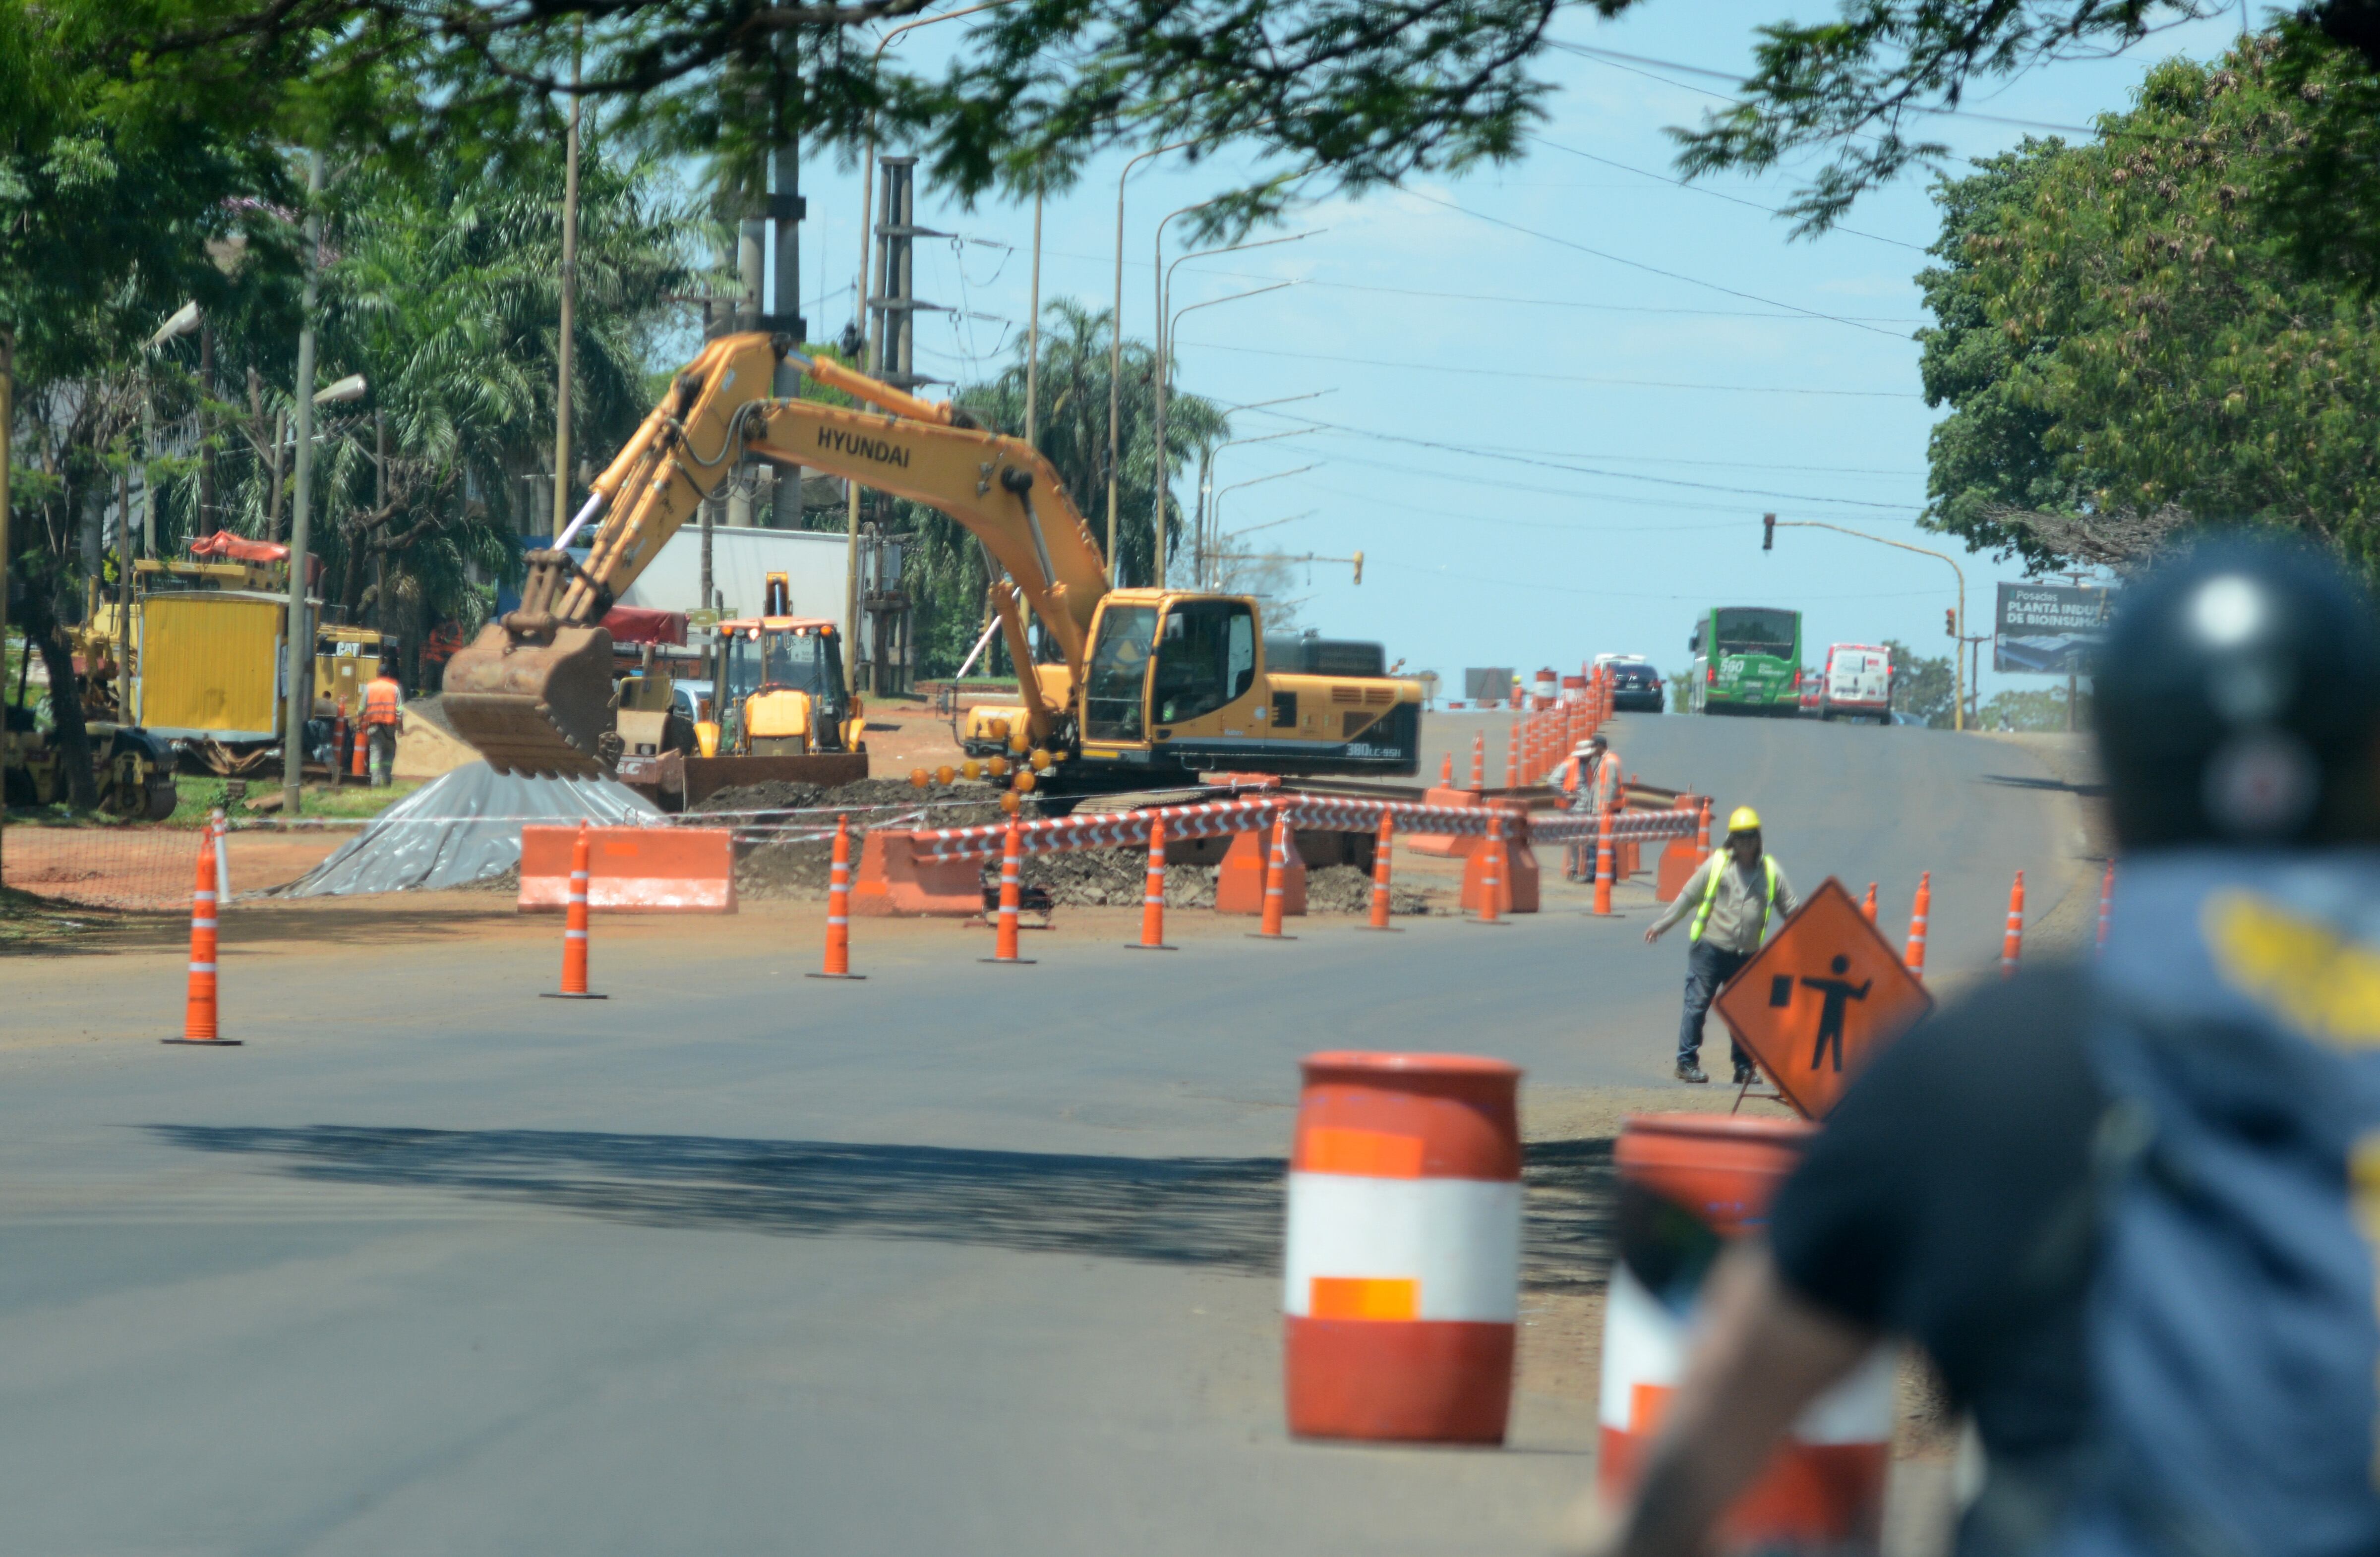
(1403, 1263)
(1709, 1177)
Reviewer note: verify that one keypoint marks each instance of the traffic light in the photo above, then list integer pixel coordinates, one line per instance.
(1949, 622)
(1769, 532)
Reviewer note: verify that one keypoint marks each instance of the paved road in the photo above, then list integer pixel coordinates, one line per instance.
(960, 1258)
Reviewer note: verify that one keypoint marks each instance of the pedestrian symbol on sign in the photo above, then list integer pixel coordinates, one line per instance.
(1820, 997)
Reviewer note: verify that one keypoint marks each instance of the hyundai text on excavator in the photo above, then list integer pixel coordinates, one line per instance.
(1151, 686)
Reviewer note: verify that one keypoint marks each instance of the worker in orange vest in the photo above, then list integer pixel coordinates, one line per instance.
(384, 717)
(1591, 778)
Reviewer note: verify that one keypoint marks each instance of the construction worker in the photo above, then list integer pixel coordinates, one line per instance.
(383, 717)
(2124, 1206)
(1591, 778)
(1734, 896)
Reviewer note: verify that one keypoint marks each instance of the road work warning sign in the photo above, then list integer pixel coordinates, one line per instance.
(1822, 997)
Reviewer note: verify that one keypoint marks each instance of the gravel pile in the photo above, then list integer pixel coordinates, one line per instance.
(1345, 889)
(799, 870)
(1110, 877)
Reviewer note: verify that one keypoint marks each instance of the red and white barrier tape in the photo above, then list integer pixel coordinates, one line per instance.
(1628, 826)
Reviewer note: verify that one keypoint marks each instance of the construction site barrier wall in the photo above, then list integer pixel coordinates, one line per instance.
(640, 870)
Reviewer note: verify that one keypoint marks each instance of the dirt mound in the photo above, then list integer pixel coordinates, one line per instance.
(1345, 889)
(1110, 877)
(798, 868)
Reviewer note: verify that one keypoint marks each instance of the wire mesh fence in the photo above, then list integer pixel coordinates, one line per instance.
(150, 869)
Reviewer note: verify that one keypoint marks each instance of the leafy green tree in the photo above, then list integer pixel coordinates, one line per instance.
(1922, 685)
(2127, 348)
(2037, 710)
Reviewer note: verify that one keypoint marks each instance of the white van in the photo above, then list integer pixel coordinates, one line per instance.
(1857, 684)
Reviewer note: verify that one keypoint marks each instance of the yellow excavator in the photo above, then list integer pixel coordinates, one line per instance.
(1151, 687)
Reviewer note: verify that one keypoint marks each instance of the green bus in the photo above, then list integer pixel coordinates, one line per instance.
(1747, 661)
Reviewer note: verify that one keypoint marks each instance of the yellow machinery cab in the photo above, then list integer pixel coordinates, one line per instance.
(778, 689)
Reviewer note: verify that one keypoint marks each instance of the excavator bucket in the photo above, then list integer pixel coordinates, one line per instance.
(540, 709)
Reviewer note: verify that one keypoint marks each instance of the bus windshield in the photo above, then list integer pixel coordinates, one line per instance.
(1756, 630)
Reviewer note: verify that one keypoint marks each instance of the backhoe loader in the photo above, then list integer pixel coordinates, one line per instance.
(1150, 688)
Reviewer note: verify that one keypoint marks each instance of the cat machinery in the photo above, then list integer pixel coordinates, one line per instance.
(1146, 688)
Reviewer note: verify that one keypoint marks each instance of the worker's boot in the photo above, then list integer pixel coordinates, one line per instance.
(1690, 1072)
(1745, 1074)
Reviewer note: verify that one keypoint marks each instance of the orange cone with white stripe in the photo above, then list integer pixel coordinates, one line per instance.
(1603, 860)
(1713, 1176)
(359, 754)
(1915, 956)
(1478, 760)
(1446, 770)
(1512, 779)
(1152, 891)
(1402, 1287)
(1491, 871)
(1868, 907)
(1011, 893)
(1383, 846)
(2106, 901)
(2013, 942)
(1276, 882)
(574, 927)
(838, 907)
(199, 1025)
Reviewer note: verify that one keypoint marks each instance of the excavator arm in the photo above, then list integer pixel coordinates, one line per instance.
(534, 692)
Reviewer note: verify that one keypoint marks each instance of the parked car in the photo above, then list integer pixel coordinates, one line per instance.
(1636, 687)
(1857, 684)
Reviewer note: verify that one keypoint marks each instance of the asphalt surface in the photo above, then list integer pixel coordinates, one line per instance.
(960, 1258)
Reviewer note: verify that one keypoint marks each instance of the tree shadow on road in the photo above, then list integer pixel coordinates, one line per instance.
(1224, 1212)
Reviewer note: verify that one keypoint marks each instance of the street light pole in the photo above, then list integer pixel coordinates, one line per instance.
(569, 307)
(1216, 518)
(301, 627)
(1958, 656)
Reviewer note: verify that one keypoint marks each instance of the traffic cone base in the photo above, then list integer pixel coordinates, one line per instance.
(206, 1043)
(570, 994)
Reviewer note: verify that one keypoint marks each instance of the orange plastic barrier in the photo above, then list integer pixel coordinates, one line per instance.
(896, 880)
(1685, 855)
(634, 870)
(1402, 1264)
(1240, 884)
(1513, 870)
(1824, 1488)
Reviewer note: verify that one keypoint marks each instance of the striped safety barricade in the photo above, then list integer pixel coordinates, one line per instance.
(1402, 1269)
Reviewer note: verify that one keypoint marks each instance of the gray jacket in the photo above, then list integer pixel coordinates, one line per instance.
(1736, 919)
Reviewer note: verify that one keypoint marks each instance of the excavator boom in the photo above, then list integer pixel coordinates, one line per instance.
(533, 692)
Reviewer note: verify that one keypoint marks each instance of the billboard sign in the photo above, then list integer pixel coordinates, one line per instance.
(2048, 629)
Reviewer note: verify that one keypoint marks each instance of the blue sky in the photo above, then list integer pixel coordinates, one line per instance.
(1641, 423)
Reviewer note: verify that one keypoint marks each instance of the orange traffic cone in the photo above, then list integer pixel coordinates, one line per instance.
(199, 1007)
(1012, 861)
(574, 927)
(1868, 908)
(359, 757)
(1915, 956)
(1478, 760)
(1603, 860)
(1446, 771)
(2012, 942)
(838, 907)
(2106, 901)
(1276, 903)
(1491, 871)
(1512, 779)
(1152, 893)
(1382, 847)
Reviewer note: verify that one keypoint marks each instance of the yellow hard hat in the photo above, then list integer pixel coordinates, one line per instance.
(1742, 819)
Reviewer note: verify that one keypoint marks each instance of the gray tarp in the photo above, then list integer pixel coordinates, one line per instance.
(461, 829)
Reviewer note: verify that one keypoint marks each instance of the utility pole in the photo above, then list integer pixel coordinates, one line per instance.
(301, 627)
(7, 426)
(569, 303)
(786, 209)
(1032, 334)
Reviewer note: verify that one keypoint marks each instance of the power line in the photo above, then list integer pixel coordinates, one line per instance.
(1720, 194)
(1486, 452)
(1640, 265)
(1553, 378)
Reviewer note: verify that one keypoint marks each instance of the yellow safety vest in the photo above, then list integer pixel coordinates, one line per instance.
(1710, 893)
